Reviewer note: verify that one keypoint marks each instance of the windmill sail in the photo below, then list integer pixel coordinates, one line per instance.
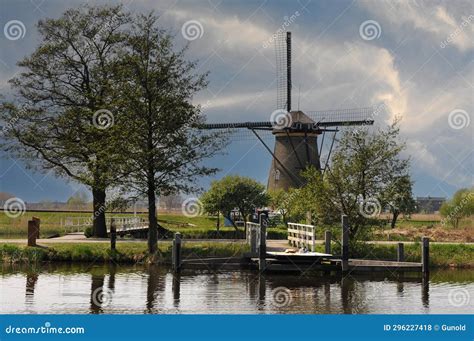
(283, 70)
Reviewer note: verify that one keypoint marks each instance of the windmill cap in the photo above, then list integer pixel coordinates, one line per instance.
(299, 116)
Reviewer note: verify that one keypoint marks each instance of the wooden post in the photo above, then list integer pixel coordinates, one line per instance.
(113, 234)
(253, 240)
(262, 248)
(400, 253)
(327, 242)
(37, 222)
(176, 252)
(32, 232)
(425, 255)
(345, 243)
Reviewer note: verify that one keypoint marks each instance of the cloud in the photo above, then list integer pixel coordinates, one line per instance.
(406, 68)
(437, 21)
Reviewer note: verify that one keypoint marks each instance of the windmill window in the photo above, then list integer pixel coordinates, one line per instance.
(277, 174)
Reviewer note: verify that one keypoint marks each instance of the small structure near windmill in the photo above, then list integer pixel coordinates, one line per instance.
(296, 132)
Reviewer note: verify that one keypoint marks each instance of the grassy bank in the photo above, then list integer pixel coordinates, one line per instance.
(101, 253)
(456, 255)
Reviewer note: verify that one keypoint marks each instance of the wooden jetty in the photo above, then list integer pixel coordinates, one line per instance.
(299, 258)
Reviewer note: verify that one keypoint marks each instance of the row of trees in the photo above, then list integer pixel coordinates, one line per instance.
(106, 100)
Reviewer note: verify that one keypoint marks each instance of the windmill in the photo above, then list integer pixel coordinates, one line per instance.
(296, 133)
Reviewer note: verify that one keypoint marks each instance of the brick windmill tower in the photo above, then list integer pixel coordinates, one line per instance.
(296, 133)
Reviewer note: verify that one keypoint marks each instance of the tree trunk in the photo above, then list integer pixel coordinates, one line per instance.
(394, 219)
(218, 225)
(153, 223)
(99, 228)
(232, 221)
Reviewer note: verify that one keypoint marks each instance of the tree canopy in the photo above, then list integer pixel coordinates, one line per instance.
(235, 192)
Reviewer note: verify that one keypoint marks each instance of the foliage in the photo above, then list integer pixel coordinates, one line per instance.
(398, 197)
(288, 204)
(460, 206)
(355, 183)
(233, 192)
(78, 199)
(64, 84)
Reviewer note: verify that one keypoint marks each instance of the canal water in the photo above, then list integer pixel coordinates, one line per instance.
(102, 289)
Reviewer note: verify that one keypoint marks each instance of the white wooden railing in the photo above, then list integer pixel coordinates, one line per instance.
(301, 235)
(75, 224)
(78, 224)
(127, 224)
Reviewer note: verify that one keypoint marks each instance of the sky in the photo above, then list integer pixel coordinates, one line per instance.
(415, 57)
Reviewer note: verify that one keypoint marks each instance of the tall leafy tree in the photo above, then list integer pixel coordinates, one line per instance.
(232, 192)
(66, 117)
(355, 183)
(166, 150)
(398, 196)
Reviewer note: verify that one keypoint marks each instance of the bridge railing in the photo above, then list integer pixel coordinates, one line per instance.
(127, 223)
(75, 224)
(79, 224)
(301, 235)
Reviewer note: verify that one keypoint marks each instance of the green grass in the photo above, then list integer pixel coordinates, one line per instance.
(101, 253)
(441, 255)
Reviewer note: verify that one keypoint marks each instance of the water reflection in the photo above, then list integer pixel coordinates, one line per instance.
(153, 289)
(425, 290)
(155, 285)
(176, 289)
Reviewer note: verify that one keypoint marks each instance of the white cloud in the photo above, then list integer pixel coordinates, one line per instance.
(436, 20)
